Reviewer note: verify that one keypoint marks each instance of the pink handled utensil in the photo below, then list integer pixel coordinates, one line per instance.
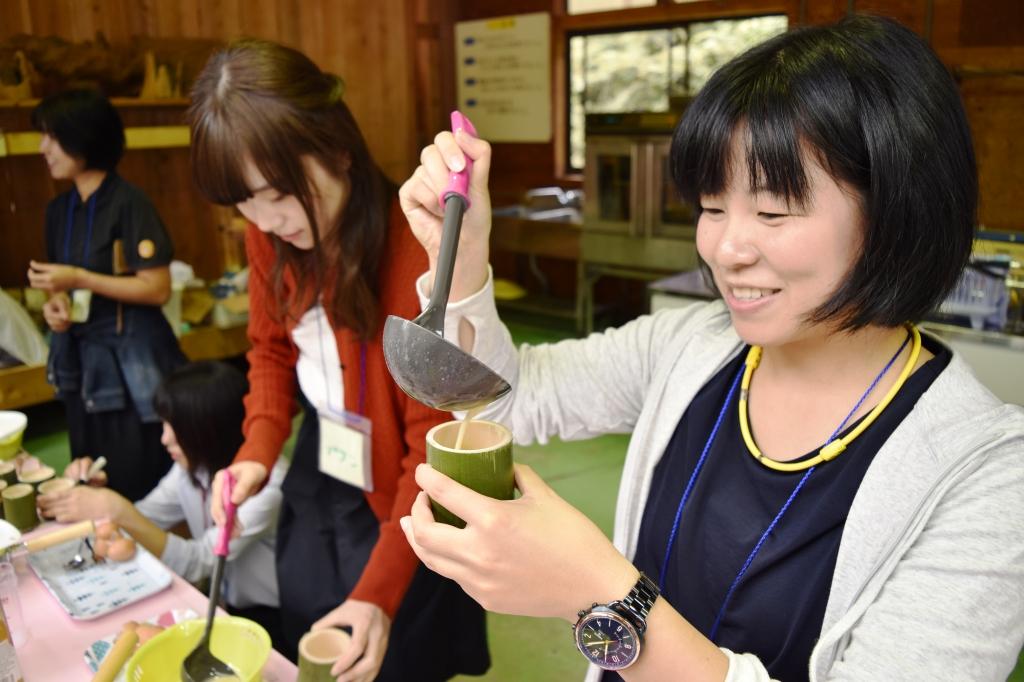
(426, 366)
(201, 664)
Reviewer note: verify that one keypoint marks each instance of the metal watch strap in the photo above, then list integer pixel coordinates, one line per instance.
(640, 600)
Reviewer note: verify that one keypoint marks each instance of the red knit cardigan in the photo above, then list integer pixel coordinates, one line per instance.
(400, 424)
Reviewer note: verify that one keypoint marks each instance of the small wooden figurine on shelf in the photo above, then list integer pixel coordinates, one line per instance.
(24, 78)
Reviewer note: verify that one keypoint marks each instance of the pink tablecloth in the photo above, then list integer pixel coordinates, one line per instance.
(53, 651)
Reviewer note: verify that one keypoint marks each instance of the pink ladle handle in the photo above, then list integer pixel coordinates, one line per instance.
(458, 183)
(229, 514)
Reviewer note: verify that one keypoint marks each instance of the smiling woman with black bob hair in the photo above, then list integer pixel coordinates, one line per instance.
(857, 108)
(814, 489)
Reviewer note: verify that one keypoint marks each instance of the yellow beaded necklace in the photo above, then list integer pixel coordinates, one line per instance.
(832, 449)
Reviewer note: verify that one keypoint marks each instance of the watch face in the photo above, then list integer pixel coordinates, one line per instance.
(607, 639)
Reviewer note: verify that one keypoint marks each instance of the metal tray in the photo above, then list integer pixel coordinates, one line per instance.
(98, 589)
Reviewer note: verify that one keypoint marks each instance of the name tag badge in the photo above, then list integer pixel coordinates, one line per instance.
(345, 448)
(81, 301)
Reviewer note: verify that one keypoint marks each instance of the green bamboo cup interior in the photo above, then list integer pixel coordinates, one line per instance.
(36, 476)
(483, 462)
(8, 472)
(318, 650)
(54, 485)
(20, 506)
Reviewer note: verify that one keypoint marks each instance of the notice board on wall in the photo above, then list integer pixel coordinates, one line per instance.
(503, 72)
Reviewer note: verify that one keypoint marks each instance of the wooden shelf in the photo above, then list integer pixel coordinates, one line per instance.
(143, 137)
(213, 343)
(116, 101)
(22, 386)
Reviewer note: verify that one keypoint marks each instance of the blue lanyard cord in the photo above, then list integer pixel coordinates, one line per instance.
(323, 368)
(70, 225)
(778, 517)
(693, 479)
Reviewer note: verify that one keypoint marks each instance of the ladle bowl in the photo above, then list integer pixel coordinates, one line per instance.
(436, 372)
(429, 368)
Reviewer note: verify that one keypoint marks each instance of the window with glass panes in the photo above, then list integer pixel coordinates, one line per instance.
(640, 70)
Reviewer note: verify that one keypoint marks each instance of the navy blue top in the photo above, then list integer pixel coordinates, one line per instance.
(777, 610)
(121, 211)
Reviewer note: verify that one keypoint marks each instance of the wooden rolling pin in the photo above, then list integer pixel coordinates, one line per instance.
(118, 655)
(72, 532)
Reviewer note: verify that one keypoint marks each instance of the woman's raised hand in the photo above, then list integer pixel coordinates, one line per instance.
(420, 200)
(533, 556)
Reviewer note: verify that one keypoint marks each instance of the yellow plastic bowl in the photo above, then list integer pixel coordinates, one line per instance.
(239, 642)
(12, 428)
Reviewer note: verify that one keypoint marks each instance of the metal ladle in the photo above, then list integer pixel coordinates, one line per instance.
(201, 664)
(429, 368)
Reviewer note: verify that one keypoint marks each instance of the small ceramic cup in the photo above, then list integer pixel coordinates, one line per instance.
(20, 506)
(318, 651)
(8, 472)
(483, 462)
(54, 485)
(36, 476)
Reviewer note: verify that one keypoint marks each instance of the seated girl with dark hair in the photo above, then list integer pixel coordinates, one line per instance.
(202, 411)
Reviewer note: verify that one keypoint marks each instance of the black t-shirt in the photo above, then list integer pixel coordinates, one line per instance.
(777, 609)
(120, 211)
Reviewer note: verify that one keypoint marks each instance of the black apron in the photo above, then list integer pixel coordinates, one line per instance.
(325, 535)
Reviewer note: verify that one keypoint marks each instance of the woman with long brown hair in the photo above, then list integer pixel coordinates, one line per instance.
(330, 256)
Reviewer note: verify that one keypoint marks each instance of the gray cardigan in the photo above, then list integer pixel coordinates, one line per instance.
(929, 581)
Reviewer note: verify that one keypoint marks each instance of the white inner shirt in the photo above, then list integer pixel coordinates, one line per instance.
(318, 368)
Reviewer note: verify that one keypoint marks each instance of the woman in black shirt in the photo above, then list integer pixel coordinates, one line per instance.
(111, 344)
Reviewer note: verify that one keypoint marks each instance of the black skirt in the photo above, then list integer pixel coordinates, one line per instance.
(325, 535)
(136, 459)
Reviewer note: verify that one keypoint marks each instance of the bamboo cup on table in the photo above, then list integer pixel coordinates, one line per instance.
(36, 476)
(318, 652)
(8, 472)
(483, 462)
(19, 502)
(54, 485)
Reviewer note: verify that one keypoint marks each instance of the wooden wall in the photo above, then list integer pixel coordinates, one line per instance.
(397, 57)
(364, 42)
(983, 42)
(369, 44)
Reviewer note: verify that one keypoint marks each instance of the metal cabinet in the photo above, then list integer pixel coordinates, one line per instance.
(634, 225)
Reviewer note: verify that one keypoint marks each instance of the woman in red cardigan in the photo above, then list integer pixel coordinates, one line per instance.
(330, 256)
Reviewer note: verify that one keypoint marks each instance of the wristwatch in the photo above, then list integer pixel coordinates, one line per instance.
(611, 635)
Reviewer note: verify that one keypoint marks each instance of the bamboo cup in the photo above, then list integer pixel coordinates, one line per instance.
(8, 472)
(483, 463)
(20, 506)
(54, 485)
(36, 476)
(318, 651)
